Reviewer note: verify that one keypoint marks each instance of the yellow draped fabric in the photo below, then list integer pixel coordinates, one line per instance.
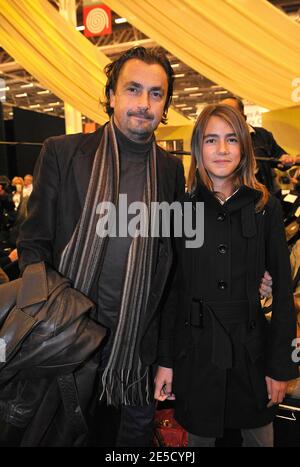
(248, 46)
(57, 55)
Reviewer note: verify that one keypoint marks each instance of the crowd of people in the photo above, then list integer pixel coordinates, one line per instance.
(14, 195)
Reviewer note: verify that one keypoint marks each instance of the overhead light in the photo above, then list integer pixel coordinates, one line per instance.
(179, 75)
(80, 28)
(220, 92)
(120, 20)
(29, 85)
(7, 88)
(54, 103)
(34, 106)
(186, 108)
(174, 65)
(194, 94)
(175, 96)
(50, 109)
(10, 113)
(46, 91)
(192, 89)
(21, 95)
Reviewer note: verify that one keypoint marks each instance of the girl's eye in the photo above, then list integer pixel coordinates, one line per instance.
(232, 140)
(210, 141)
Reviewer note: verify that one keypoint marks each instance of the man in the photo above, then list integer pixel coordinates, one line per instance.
(264, 145)
(27, 188)
(74, 176)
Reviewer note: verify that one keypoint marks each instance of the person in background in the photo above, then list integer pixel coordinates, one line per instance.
(17, 195)
(264, 145)
(228, 367)
(28, 187)
(7, 212)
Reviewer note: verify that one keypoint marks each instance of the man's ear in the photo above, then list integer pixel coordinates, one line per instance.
(111, 98)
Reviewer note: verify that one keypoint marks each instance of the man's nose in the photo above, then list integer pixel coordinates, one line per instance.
(144, 101)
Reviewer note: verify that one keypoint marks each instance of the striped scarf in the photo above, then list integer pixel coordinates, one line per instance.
(125, 380)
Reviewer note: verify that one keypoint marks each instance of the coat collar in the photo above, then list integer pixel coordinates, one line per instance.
(83, 162)
(241, 198)
(84, 159)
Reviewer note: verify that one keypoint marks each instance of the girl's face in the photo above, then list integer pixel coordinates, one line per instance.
(221, 150)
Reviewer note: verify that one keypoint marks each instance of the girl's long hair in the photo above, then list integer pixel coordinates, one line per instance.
(244, 174)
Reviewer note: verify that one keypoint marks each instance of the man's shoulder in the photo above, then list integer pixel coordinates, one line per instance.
(262, 132)
(167, 157)
(74, 140)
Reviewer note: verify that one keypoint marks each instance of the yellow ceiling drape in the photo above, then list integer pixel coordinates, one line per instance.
(58, 56)
(247, 46)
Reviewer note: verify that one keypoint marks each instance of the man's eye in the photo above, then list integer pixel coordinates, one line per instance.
(132, 90)
(156, 94)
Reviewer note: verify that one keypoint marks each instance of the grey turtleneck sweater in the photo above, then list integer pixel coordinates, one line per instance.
(133, 165)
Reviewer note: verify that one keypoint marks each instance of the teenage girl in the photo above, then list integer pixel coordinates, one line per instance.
(227, 366)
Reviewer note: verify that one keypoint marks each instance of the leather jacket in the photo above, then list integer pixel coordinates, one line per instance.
(50, 343)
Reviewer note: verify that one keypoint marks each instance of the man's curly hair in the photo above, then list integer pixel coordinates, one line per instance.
(149, 56)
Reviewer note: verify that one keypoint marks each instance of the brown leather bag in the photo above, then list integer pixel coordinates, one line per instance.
(168, 432)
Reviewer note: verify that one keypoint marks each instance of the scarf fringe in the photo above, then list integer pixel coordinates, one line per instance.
(126, 387)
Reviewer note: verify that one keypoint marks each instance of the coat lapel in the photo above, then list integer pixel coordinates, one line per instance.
(83, 163)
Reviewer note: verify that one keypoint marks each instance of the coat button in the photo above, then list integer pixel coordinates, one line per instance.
(222, 248)
(221, 216)
(252, 324)
(222, 285)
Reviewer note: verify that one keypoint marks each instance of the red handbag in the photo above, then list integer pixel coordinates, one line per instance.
(167, 431)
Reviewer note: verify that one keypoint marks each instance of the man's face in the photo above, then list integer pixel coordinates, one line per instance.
(27, 180)
(139, 99)
(232, 103)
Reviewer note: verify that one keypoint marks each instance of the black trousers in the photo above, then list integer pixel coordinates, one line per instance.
(123, 426)
(136, 426)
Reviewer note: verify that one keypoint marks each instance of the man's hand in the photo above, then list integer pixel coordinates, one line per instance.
(276, 390)
(288, 159)
(163, 384)
(265, 288)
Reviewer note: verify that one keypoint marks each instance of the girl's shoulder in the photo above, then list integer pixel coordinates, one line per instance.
(273, 204)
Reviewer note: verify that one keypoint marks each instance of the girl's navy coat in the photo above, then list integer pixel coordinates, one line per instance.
(214, 332)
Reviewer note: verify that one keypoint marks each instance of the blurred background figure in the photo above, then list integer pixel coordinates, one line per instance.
(27, 189)
(7, 208)
(17, 184)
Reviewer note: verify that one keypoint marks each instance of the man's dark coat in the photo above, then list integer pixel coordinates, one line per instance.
(61, 180)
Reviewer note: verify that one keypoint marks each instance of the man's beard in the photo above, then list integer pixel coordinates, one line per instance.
(142, 133)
